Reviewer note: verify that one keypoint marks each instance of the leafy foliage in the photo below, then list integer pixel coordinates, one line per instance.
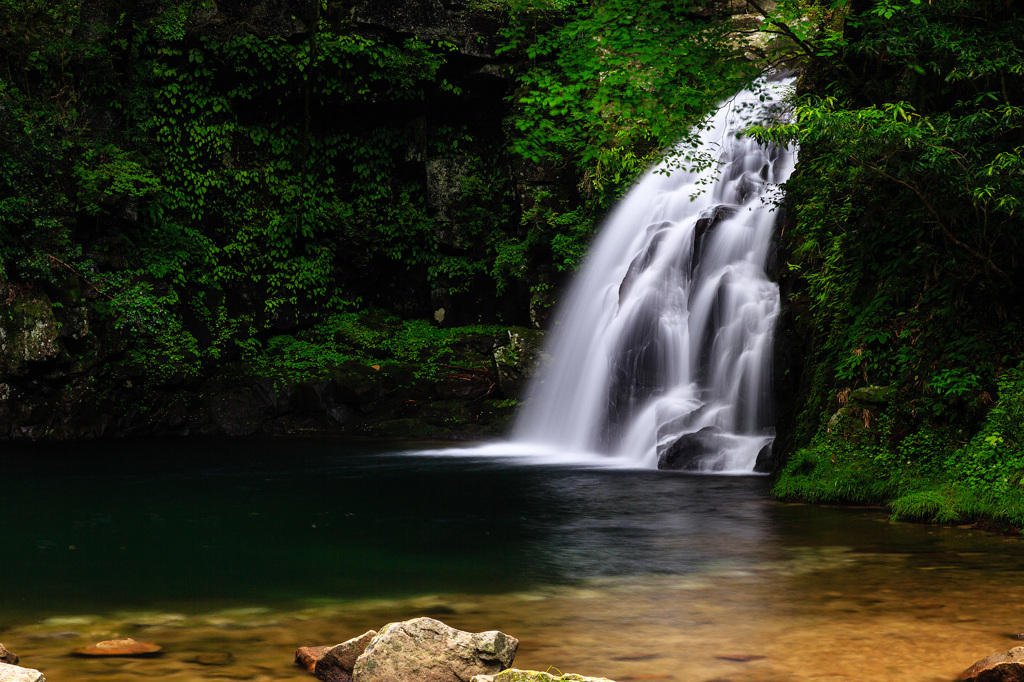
(906, 239)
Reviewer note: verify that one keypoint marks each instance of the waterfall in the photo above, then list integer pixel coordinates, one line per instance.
(661, 353)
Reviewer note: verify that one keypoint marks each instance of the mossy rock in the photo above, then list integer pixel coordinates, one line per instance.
(29, 332)
(873, 395)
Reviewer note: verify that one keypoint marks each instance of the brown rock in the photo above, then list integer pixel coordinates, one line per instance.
(307, 656)
(1005, 667)
(341, 659)
(119, 647)
(7, 657)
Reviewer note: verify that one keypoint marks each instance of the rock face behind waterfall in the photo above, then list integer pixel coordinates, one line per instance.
(662, 353)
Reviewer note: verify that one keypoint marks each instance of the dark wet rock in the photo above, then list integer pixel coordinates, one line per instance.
(1005, 667)
(709, 219)
(763, 463)
(687, 451)
(427, 650)
(13, 673)
(643, 260)
(336, 664)
(7, 657)
(127, 647)
(307, 656)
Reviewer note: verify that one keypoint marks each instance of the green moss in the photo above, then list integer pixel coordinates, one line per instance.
(935, 474)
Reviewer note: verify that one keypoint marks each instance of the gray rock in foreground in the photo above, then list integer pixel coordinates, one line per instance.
(14, 673)
(1005, 667)
(427, 650)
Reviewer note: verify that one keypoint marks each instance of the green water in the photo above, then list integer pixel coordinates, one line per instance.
(287, 542)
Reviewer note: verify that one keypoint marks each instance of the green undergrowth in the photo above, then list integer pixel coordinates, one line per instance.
(377, 340)
(939, 474)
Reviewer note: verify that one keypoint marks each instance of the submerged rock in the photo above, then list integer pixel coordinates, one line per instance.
(13, 673)
(763, 463)
(337, 662)
(1005, 667)
(119, 647)
(427, 650)
(514, 675)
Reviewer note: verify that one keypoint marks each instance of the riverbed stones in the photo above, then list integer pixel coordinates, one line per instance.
(427, 650)
(514, 675)
(1004, 667)
(8, 657)
(14, 673)
(337, 662)
(119, 647)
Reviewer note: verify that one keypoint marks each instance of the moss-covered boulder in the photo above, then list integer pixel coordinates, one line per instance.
(29, 332)
(519, 360)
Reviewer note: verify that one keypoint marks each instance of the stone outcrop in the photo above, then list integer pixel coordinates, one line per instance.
(14, 673)
(518, 361)
(8, 657)
(427, 650)
(29, 331)
(473, 32)
(514, 675)
(337, 662)
(1005, 667)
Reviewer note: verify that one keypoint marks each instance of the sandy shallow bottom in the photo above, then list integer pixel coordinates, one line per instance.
(828, 613)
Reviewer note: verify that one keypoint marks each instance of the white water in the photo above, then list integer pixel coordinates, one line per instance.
(668, 327)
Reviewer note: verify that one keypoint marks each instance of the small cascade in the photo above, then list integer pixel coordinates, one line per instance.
(661, 352)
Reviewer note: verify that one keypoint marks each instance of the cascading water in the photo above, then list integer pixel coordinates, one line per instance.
(661, 354)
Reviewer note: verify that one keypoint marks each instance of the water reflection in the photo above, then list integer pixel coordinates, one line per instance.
(618, 573)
